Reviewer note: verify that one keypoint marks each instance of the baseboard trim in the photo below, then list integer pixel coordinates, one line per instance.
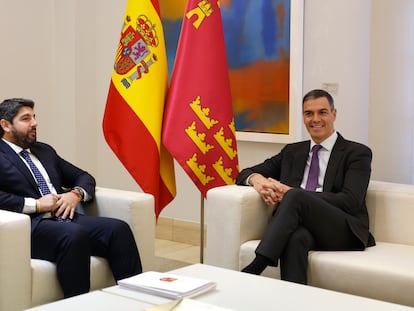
(179, 231)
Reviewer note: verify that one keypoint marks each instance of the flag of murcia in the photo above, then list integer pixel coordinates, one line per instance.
(199, 126)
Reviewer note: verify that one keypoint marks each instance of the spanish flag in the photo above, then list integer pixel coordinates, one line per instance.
(135, 105)
(198, 125)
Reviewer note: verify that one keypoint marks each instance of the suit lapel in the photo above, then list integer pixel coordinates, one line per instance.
(17, 162)
(296, 169)
(334, 161)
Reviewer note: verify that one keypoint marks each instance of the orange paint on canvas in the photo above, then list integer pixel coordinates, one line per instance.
(226, 3)
(261, 82)
(262, 89)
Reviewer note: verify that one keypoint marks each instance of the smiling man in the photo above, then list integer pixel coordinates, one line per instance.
(318, 187)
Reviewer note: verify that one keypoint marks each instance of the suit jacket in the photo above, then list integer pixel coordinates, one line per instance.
(17, 182)
(345, 184)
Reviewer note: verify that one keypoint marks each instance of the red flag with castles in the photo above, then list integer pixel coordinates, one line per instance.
(198, 128)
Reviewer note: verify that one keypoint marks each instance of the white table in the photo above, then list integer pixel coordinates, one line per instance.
(235, 290)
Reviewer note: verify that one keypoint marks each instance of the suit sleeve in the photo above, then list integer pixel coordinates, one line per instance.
(63, 174)
(72, 176)
(11, 202)
(269, 168)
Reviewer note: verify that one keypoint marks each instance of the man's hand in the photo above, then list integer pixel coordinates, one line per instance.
(47, 203)
(66, 205)
(271, 190)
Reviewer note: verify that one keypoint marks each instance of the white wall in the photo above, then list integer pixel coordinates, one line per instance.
(337, 50)
(26, 51)
(60, 53)
(392, 90)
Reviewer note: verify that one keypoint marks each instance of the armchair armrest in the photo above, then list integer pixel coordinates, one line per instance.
(135, 208)
(15, 270)
(234, 215)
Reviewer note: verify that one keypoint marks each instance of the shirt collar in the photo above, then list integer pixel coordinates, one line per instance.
(328, 143)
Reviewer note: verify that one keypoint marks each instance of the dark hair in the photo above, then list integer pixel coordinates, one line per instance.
(10, 107)
(314, 94)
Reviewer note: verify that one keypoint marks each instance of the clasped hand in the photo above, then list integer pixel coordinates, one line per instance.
(271, 190)
(63, 204)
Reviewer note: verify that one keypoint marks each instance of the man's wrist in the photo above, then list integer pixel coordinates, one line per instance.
(248, 183)
(79, 192)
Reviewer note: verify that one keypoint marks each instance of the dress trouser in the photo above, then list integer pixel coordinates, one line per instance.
(70, 246)
(304, 222)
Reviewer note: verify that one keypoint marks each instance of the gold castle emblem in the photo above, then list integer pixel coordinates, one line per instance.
(199, 139)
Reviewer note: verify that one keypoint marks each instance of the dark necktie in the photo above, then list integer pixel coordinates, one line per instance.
(41, 182)
(313, 176)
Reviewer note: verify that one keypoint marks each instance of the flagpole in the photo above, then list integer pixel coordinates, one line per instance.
(202, 229)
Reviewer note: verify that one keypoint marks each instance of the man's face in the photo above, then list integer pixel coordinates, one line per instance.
(319, 118)
(22, 131)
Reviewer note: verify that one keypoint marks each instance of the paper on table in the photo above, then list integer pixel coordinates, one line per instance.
(167, 285)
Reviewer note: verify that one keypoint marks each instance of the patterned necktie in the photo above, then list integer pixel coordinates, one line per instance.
(41, 182)
(313, 176)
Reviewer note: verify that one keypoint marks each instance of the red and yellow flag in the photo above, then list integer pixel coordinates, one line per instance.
(135, 105)
(198, 122)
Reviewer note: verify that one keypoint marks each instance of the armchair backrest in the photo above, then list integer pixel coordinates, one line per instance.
(391, 211)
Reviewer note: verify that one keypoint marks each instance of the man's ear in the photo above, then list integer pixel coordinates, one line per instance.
(5, 125)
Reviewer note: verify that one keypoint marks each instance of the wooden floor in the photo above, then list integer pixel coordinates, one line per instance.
(171, 255)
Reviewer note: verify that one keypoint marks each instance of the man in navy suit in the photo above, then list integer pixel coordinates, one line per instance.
(58, 233)
(330, 216)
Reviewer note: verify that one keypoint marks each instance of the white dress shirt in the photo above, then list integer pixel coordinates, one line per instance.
(324, 154)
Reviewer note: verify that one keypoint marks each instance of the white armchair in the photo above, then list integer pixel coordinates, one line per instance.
(235, 215)
(236, 218)
(26, 282)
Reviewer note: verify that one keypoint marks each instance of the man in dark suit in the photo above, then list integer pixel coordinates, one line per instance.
(58, 233)
(330, 215)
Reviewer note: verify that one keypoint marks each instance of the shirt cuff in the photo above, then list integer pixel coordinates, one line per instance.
(29, 206)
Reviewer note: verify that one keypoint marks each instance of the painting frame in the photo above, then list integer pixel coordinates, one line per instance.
(295, 84)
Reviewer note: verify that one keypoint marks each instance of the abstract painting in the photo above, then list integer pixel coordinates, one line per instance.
(258, 45)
